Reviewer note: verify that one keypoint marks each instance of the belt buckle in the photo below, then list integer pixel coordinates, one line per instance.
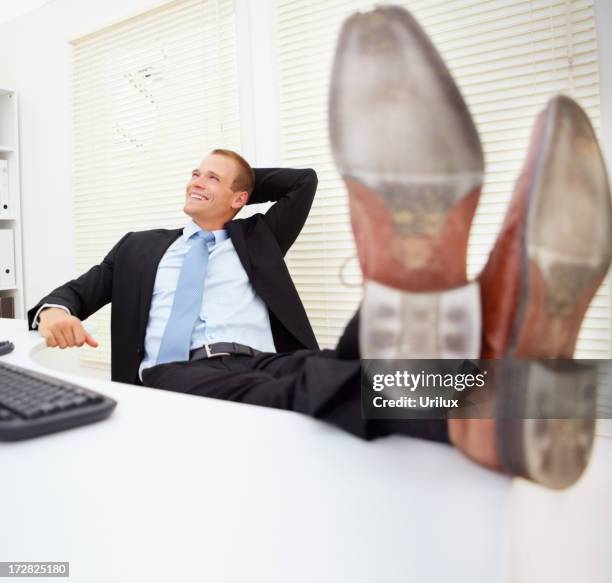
(209, 354)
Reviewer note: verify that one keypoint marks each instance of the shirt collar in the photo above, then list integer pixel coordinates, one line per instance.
(191, 228)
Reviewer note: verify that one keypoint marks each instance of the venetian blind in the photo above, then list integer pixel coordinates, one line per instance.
(507, 56)
(151, 95)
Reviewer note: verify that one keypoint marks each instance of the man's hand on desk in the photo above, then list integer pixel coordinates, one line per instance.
(63, 330)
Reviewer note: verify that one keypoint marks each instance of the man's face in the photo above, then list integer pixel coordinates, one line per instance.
(209, 195)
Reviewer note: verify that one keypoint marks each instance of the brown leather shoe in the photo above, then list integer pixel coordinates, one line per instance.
(407, 148)
(552, 254)
(555, 245)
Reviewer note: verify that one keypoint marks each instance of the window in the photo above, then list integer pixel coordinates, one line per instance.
(151, 96)
(508, 57)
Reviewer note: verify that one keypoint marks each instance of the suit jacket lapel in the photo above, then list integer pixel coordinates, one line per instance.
(155, 252)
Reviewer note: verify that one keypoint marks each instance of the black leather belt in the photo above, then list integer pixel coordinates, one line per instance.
(222, 349)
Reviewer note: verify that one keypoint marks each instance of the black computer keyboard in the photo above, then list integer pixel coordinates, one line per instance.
(33, 404)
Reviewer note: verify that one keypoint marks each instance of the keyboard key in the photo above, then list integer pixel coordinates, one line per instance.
(79, 400)
(47, 408)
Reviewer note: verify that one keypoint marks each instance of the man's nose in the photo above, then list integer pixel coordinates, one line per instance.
(198, 181)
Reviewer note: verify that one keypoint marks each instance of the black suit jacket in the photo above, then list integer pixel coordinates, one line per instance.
(127, 274)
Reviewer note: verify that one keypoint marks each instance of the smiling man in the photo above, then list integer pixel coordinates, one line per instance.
(245, 301)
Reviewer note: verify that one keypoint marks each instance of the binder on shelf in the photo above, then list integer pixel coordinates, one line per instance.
(7, 259)
(4, 189)
(7, 307)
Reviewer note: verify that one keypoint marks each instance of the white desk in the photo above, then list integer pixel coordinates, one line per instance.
(180, 488)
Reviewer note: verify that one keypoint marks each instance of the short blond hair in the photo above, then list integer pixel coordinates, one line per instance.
(245, 177)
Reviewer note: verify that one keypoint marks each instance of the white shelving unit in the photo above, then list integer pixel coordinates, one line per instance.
(11, 262)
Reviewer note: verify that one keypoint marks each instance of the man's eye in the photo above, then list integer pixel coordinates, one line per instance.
(194, 174)
(215, 178)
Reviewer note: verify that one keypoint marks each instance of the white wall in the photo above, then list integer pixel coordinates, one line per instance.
(7, 57)
(10, 9)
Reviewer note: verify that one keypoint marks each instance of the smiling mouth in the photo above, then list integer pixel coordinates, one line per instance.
(196, 196)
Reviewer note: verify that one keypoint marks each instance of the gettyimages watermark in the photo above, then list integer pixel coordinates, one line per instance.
(513, 389)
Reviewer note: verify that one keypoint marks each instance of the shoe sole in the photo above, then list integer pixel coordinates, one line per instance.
(567, 243)
(407, 149)
(566, 252)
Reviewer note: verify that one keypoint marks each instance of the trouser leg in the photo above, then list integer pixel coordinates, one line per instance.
(322, 387)
(348, 344)
(316, 383)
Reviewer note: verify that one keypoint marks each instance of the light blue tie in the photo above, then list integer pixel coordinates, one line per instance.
(176, 340)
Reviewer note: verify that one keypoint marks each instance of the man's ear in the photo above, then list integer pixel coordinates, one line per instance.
(240, 199)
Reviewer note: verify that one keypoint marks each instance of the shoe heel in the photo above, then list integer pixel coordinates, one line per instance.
(405, 227)
(396, 324)
(546, 419)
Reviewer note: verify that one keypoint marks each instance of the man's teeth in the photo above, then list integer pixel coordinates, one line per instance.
(196, 196)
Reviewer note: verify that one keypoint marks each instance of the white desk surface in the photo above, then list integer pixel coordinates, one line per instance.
(176, 487)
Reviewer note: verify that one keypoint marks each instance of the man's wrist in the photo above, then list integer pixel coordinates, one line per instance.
(36, 320)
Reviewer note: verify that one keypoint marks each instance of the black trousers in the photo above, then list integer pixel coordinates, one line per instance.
(323, 384)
